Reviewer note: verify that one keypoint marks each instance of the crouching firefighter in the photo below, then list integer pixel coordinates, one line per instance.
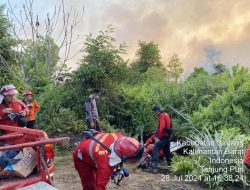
(149, 145)
(247, 159)
(100, 156)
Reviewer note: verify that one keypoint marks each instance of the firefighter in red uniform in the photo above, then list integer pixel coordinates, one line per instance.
(95, 164)
(162, 138)
(149, 147)
(247, 159)
(12, 111)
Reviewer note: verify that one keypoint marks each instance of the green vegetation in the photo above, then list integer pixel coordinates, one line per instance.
(182, 165)
(7, 43)
(218, 146)
(223, 144)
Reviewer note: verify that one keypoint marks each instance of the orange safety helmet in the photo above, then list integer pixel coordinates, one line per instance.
(128, 149)
(27, 93)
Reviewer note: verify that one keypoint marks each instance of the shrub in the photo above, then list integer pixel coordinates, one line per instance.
(182, 165)
(64, 121)
(219, 146)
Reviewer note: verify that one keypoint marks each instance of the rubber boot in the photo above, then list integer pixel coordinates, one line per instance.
(169, 163)
(153, 168)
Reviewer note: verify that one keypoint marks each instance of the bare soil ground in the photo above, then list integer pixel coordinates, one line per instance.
(66, 178)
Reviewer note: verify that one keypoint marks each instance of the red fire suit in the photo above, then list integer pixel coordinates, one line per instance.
(17, 106)
(92, 162)
(163, 122)
(150, 147)
(247, 158)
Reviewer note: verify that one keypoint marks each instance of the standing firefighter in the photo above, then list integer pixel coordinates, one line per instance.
(92, 118)
(12, 111)
(33, 108)
(163, 138)
(96, 160)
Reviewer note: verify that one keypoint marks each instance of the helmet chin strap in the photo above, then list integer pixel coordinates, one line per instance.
(114, 159)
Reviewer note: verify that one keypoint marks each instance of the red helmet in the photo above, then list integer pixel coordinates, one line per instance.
(128, 149)
(27, 93)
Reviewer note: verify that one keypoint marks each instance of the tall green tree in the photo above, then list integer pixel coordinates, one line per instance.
(148, 56)
(34, 70)
(7, 53)
(198, 71)
(102, 66)
(219, 68)
(175, 67)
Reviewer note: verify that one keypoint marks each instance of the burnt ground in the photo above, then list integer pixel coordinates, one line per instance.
(66, 178)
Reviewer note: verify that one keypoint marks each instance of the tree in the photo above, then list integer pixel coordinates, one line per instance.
(38, 75)
(197, 72)
(219, 68)
(102, 66)
(30, 28)
(175, 67)
(213, 63)
(104, 59)
(7, 54)
(148, 55)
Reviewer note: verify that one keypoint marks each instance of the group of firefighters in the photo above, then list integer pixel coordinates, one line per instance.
(99, 155)
(14, 112)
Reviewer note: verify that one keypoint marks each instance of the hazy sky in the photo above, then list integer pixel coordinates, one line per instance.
(184, 27)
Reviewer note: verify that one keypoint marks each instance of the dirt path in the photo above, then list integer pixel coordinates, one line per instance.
(66, 178)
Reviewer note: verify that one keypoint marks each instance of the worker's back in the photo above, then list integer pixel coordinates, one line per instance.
(92, 152)
(91, 160)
